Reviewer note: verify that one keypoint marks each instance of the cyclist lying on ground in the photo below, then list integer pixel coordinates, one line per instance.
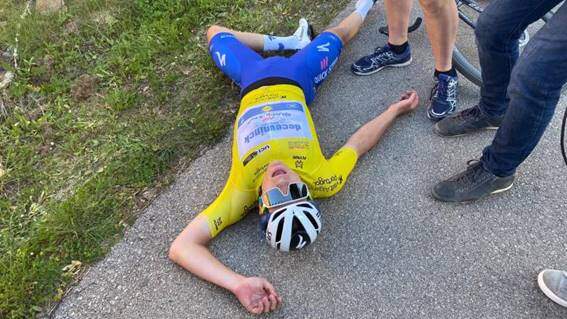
(276, 154)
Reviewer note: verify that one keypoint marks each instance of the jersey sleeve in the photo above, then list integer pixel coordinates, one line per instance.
(333, 173)
(228, 208)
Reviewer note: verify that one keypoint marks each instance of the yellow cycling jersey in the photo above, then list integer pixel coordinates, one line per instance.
(274, 123)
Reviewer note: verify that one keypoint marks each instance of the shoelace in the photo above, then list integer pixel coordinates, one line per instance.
(381, 54)
(471, 112)
(446, 90)
(451, 90)
(379, 50)
(471, 176)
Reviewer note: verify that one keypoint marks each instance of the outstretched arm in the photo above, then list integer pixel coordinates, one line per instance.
(370, 133)
(190, 251)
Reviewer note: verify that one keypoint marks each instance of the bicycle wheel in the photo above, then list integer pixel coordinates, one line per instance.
(467, 69)
(465, 54)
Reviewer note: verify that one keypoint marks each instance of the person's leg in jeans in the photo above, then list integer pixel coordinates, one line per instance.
(498, 31)
(534, 90)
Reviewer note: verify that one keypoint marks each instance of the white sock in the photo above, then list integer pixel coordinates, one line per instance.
(296, 41)
(363, 6)
(275, 43)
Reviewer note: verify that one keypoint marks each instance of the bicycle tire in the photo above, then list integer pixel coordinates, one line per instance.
(563, 137)
(463, 66)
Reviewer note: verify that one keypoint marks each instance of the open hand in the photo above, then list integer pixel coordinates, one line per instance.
(257, 295)
(407, 103)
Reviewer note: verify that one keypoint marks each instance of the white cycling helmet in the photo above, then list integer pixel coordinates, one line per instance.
(294, 226)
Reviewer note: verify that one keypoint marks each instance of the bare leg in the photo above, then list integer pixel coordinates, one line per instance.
(252, 40)
(441, 21)
(260, 42)
(397, 16)
(348, 28)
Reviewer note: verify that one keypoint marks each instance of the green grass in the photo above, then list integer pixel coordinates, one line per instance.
(109, 98)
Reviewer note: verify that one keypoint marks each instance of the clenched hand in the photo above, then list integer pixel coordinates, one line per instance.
(257, 295)
(407, 103)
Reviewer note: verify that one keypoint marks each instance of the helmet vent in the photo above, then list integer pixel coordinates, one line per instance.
(294, 226)
(279, 231)
(311, 219)
(277, 214)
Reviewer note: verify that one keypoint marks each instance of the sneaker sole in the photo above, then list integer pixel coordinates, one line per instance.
(437, 119)
(550, 294)
(386, 66)
(502, 190)
(473, 200)
(438, 133)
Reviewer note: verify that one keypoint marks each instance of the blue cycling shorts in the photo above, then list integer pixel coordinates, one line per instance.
(307, 68)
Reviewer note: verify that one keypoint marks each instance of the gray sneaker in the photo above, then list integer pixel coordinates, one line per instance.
(465, 122)
(553, 283)
(472, 184)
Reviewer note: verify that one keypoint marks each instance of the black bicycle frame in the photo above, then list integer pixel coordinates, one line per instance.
(471, 4)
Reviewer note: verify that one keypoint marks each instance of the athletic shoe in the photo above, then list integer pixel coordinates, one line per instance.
(304, 33)
(443, 98)
(553, 283)
(473, 183)
(467, 121)
(381, 58)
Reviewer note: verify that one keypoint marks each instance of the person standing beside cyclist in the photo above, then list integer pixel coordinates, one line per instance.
(519, 94)
(441, 20)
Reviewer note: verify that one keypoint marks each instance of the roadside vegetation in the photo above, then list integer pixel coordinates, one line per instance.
(109, 99)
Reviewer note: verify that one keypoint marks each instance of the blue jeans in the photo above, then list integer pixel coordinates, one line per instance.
(524, 89)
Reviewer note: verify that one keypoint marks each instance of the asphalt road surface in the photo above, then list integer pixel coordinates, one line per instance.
(387, 250)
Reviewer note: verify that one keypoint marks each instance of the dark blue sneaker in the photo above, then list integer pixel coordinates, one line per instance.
(467, 121)
(472, 184)
(443, 99)
(381, 58)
